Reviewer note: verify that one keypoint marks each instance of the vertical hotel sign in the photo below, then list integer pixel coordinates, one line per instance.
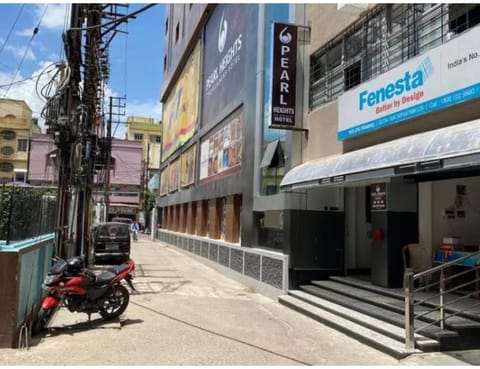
(284, 75)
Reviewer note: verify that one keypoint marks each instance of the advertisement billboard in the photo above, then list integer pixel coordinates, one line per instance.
(187, 166)
(224, 58)
(164, 182)
(221, 152)
(173, 175)
(439, 78)
(180, 110)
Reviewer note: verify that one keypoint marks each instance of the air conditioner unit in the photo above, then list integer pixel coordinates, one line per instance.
(352, 9)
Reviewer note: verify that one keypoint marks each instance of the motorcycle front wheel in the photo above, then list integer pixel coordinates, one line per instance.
(116, 303)
(42, 320)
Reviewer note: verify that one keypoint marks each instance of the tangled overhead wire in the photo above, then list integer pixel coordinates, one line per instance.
(51, 91)
(58, 80)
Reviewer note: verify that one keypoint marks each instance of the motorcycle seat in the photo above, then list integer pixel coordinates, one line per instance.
(117, 269)
(104, 278)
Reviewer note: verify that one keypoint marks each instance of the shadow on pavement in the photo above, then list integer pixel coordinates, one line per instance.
(71, 329)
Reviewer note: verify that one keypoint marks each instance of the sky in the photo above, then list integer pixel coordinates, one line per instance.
(136, 58)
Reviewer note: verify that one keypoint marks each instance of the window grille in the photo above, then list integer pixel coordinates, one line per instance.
(7, 150)
(6, 167)
(8, 135)
(138, 137)
(22, 145)
(386, 37)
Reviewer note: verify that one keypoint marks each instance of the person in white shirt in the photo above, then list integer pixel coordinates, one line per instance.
(134, 229)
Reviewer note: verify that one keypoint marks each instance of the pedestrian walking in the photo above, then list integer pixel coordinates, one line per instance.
(134, 229)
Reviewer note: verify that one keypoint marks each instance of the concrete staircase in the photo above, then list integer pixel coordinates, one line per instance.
(375, 316)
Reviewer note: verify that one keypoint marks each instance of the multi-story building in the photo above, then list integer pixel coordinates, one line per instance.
(213, 182)
(384, 149)
(391, 156)
(125, 175)
(42, 169)
(149, 132)
(16, 126)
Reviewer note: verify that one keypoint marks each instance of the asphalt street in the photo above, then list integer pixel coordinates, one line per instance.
(185, 313)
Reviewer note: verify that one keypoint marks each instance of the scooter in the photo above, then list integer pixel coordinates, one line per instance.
(69, 283)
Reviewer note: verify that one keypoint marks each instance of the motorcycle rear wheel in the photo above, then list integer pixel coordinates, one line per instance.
(42, 320)
(116, 303)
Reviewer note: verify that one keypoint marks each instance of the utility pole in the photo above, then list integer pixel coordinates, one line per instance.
(108, 149)
(73, 118)
(62, 126)
(146, 216)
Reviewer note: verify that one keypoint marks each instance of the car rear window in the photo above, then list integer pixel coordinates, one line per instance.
(122, 220)
(113, 230)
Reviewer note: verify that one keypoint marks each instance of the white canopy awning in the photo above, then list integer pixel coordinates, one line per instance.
(441, 149)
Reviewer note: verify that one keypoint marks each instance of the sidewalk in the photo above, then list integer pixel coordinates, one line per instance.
(185, 313)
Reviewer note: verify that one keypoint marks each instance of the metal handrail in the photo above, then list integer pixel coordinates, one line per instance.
(444, 265)
(411, 301)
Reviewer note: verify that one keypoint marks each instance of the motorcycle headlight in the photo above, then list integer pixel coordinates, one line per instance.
(49, 279)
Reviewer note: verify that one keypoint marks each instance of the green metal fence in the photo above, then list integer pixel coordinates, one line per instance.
(26, 213)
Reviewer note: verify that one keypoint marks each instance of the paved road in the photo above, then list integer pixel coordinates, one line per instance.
(186, 313)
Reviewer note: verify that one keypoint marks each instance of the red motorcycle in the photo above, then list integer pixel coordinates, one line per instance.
(81, 290)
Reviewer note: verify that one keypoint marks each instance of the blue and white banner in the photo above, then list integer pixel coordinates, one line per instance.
(442, 77)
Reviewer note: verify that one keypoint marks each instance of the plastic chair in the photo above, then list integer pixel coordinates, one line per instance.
(415, 259)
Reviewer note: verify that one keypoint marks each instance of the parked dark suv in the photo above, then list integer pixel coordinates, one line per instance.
(111, 241)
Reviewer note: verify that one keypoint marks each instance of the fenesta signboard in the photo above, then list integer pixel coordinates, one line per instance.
(442, 77)
(284, 75)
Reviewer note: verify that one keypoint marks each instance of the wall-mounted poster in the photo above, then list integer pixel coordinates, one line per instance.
(164, 181)
(173, 175)
(187, 166)
(224, 59)
(180, 110)
(378, 197)
(222, 150)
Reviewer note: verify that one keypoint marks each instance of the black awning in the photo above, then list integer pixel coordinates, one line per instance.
(273, 156)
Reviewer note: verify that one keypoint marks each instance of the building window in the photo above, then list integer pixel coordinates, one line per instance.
(5, 180)
(6, 167)
(138, 137)
(166, 26)
(8, 135)
(22, 145)
(463, 16)
(327, 75)
(177, 32)
(386, 37)
(352, 75)
(7, 150)
(156, 139)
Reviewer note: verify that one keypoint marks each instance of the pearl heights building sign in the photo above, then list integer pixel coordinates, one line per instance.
(284, 75)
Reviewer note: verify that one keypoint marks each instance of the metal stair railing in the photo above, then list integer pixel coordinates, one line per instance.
(444, 308)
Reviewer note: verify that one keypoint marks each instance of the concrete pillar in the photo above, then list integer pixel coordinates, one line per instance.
(191, 210)
(201, 218)
(397, 225)
(232, 221)
(183, 218)
(214, 219)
